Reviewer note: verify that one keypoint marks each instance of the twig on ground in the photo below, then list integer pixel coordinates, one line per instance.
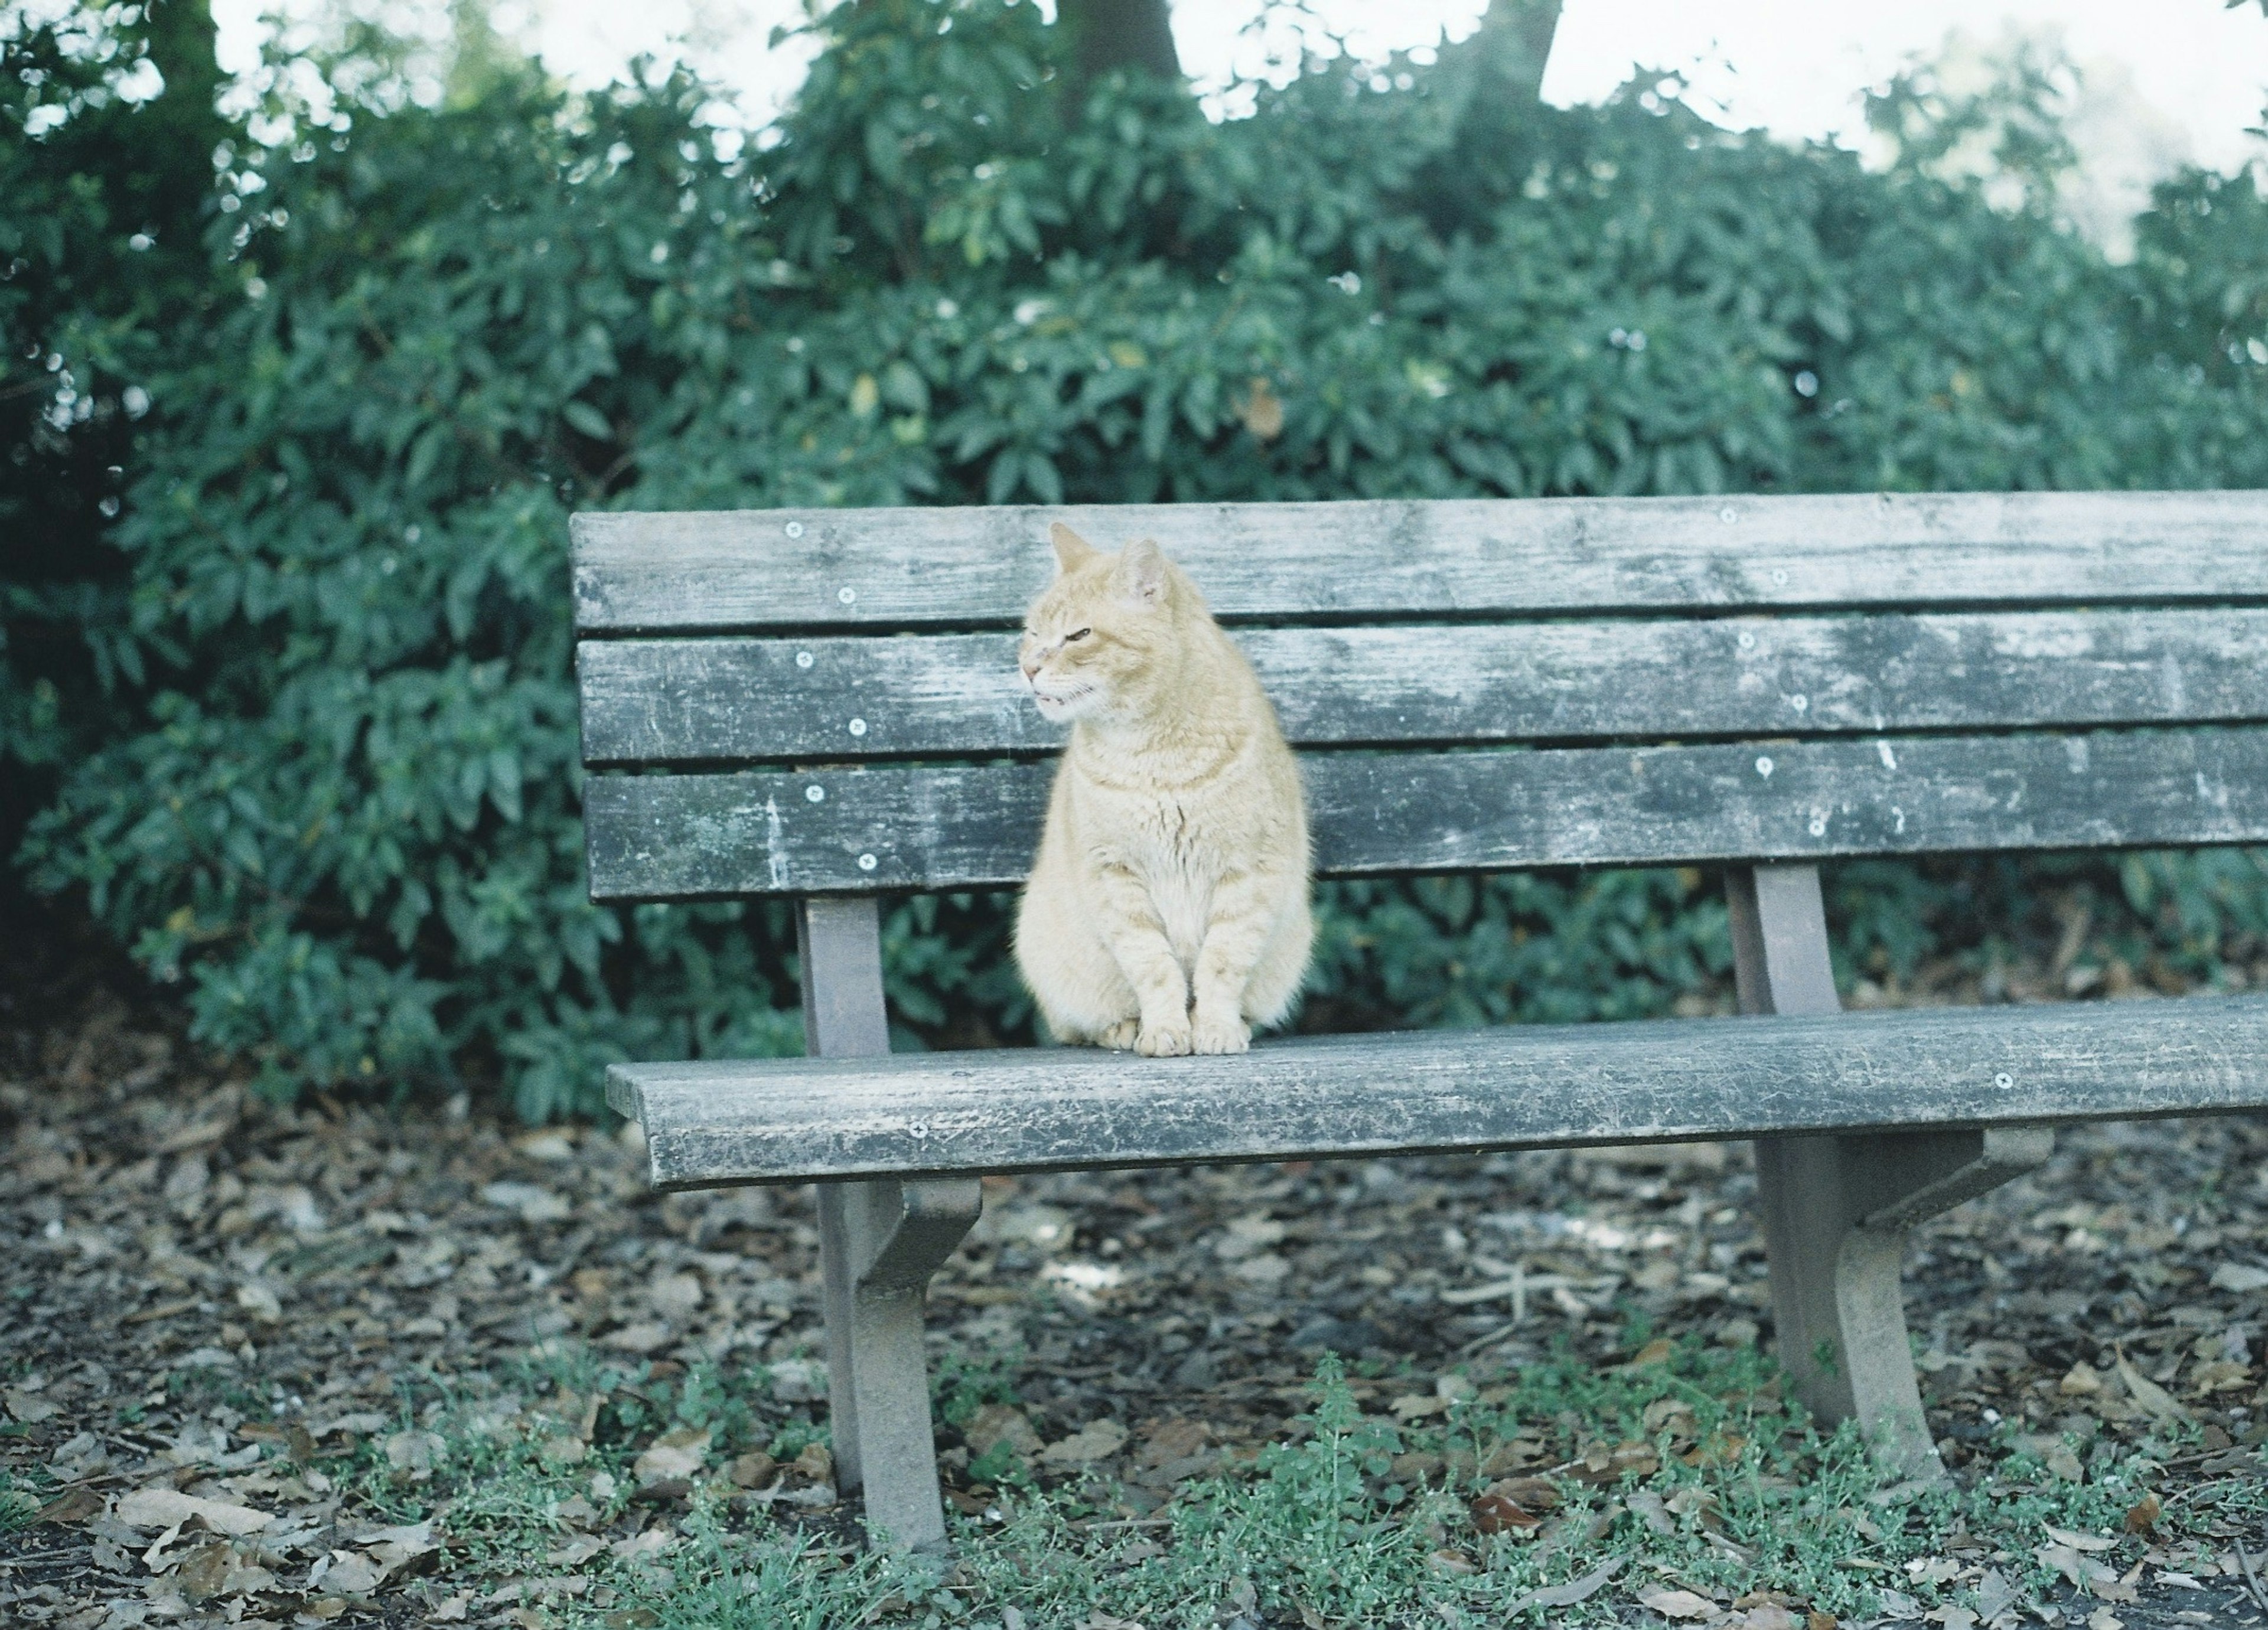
(2251, 1576)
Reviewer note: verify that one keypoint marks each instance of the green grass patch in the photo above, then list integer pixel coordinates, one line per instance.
(1450, 1504)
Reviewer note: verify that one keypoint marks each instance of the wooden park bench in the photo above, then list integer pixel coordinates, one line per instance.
(1758, 682)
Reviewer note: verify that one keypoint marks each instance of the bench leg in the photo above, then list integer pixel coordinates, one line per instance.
(1836, 1210)
(879, 1242)
(1836, 1207)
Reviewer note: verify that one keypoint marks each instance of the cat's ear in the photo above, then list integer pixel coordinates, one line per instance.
(1142, 573)
(1072, 551)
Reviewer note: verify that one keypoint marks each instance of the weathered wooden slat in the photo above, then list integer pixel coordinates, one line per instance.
(836, 698)
(925, 827)
(1438, 1091)
(904, 568)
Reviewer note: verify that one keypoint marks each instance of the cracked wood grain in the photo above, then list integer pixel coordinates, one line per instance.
(852, 829)
(979, 567)
(658, 701)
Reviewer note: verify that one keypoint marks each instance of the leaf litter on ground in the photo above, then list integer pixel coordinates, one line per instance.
(332, 1365)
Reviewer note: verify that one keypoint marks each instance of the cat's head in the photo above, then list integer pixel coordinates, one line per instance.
(1105, 631)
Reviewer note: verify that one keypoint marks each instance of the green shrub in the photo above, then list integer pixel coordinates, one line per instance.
(101, 197)
(346, 811)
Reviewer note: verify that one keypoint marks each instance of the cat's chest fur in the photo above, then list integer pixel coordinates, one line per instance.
(1179, 836)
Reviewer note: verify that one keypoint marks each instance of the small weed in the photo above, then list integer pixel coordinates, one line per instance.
(19, 1504)
(793, 1438)
(962, 1385)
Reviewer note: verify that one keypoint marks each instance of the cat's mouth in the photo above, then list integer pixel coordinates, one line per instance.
(1061, 705)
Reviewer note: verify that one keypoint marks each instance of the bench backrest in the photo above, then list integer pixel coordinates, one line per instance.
(1475, 685)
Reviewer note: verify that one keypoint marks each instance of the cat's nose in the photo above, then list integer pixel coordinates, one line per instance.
(1031, 670)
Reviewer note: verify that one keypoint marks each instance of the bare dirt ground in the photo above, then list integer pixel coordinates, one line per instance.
(209, 1297)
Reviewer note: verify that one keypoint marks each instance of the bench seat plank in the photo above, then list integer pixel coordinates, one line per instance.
(945, 826)
(1445, 1091)
(979, 567)
(654, 701)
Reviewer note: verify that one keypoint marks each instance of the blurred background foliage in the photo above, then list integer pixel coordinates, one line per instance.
(297, 403)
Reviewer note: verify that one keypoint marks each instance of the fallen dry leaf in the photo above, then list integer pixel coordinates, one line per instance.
(1097, 1442)
(1647, 1507)
(678, 1454)
(2240, 1278)
(203, 1574)
(1515, 1505)
(415, 1454)
(71, 1508)
(647, 1336)
(534, 1202)
(675, 1296)
(27, 1407)
(152, 1508)
(1578, 1590)
(1722, 1450)
(1602, 1466)
(2149, 1394)
(651, 1542)
(1676, 1603)
(1494, 1514)
(753, 1469)
(997, 1424)
(1175, 1439)
(394, 1550)
(349, 1575)
(2117, 1587)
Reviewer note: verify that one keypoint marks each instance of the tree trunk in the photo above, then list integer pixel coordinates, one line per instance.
(1521, 42)
(183, 123)
(1118, 34)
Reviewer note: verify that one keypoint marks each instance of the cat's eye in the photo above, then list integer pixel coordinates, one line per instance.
(1077, 634)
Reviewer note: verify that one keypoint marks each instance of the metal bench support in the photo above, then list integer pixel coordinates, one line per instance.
(1836, 1207)
(879, 1242)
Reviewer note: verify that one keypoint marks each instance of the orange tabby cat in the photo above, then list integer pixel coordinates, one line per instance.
(1168, 908)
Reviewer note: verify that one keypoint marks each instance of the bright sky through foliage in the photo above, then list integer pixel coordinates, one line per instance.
(2185, 77)
(1797, 67)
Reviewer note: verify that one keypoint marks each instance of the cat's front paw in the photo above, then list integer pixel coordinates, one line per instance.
(1121, 1036)
(1212, 1033)
(1168, 1040)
